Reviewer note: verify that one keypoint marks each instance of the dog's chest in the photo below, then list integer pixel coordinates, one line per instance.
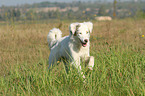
(84, 51)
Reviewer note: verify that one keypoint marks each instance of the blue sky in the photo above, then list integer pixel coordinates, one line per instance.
(19, 2)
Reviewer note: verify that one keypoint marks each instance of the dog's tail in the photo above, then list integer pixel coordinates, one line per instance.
(53, 36)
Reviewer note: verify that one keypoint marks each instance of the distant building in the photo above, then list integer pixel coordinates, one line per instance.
(46, 9)
(104, 18)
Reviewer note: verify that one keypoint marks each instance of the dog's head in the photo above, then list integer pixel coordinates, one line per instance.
(81, 31)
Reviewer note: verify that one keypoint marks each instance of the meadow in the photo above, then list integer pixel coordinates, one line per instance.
(118, 47)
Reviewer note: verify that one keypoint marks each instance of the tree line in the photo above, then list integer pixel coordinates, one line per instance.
(27, 12)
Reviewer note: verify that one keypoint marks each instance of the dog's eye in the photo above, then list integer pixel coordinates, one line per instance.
(87, 32)
(80, 33)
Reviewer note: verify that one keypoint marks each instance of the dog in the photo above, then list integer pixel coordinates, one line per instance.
(71, 49)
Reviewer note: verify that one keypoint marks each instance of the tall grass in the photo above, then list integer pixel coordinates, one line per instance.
(118, 48)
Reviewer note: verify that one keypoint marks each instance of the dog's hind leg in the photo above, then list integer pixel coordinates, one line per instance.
(66, 66)
(51, 63)
(52, 60)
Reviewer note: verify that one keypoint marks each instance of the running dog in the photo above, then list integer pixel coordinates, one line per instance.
(71, 49)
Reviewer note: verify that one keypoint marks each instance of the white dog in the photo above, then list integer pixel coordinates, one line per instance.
(73, 48)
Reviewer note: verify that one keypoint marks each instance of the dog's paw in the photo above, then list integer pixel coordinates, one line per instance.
(90, 68)
(91, 63)
(83, 75)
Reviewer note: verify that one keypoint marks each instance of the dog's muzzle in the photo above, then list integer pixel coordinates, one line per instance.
(84, 43)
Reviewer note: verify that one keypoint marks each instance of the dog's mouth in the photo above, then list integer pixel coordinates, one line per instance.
(84, 44)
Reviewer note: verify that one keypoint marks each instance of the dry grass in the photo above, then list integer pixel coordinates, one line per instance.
(27, 44)
(24, 43)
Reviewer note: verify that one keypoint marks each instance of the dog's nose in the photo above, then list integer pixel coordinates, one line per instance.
(86, 40)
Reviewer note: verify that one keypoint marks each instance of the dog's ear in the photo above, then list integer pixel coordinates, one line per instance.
(73, 28)
(90, 26)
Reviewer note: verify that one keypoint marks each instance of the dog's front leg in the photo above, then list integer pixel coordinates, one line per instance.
(90, 61)
(76, 63)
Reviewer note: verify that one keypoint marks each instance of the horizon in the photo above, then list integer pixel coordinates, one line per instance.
(21, 2)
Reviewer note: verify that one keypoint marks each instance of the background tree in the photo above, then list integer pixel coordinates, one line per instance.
(114, 8)
(102, 11)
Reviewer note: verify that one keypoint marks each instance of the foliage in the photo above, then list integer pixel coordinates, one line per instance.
(140, 14)
(30, 12)
(101, 11)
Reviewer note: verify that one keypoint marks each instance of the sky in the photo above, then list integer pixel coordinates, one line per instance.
(20, 2)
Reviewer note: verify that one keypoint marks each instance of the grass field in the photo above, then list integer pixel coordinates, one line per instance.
(118, 47)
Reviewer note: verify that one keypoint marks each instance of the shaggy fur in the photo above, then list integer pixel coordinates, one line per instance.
(73, 48)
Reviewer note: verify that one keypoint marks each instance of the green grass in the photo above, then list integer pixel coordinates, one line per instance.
(115, 73)
(119, 62)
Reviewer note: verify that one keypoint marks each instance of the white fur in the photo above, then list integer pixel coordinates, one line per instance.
(53, 36)
(73, 48)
